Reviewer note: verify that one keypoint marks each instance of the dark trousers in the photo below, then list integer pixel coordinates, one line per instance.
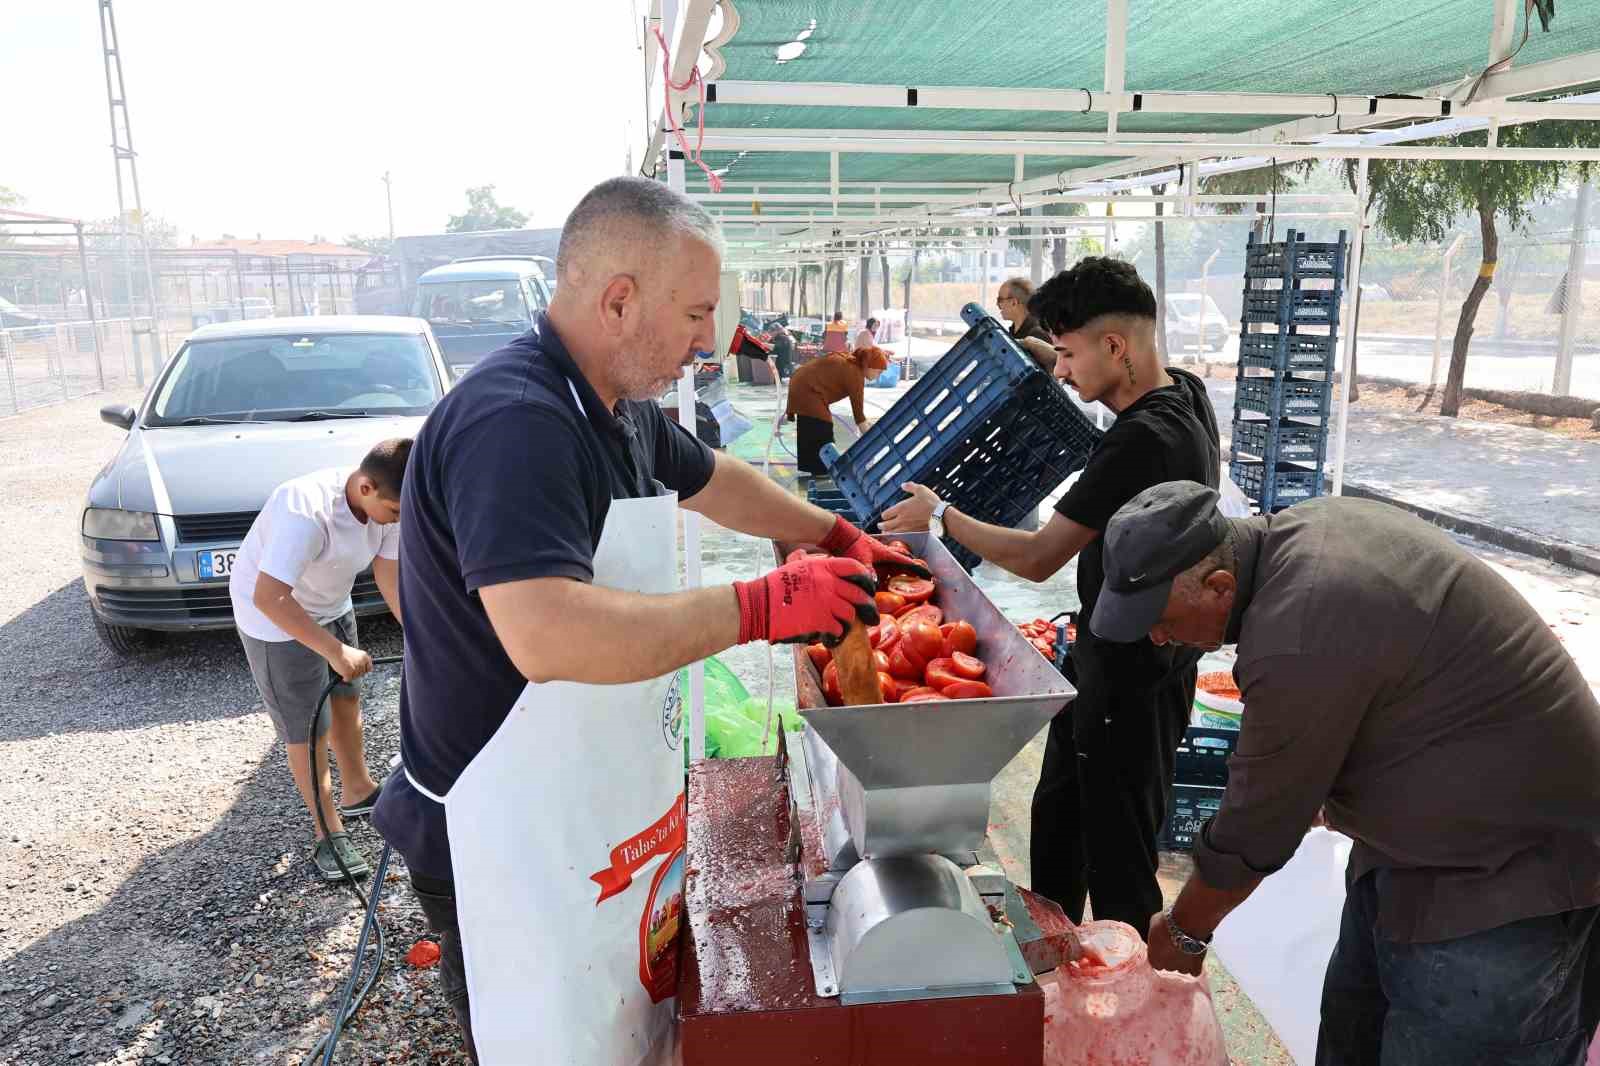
(1103, 793)
(438, 901)
(1522, 994)
(810, 435)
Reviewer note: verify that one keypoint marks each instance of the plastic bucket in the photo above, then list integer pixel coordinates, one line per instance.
(1215, 712)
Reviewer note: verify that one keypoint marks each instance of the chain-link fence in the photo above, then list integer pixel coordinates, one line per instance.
(61, 361)
(51, 296)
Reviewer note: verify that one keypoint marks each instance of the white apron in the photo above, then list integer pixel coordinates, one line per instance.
(566, 835)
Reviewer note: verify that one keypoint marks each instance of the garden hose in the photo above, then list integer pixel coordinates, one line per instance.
(347, 1006)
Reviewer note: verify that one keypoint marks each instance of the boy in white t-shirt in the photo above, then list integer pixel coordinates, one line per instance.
(290, 588)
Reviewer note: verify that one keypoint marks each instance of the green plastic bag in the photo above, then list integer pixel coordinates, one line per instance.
(735, 719)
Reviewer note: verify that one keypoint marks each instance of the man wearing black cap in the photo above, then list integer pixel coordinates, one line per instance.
(1108, 762)
(1395, 682)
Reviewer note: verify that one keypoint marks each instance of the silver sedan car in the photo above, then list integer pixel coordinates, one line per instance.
(240, 409)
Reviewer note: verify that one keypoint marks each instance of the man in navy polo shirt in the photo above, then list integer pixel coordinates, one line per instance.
(536, 551)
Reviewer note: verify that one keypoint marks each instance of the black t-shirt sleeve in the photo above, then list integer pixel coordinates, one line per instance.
(1125, 464)
(522, 493)
(683, 462)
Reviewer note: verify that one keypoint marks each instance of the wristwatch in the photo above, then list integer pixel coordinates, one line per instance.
(1183, 941)
(936, 520)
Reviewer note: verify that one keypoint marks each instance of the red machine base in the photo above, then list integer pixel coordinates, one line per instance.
(745, 989)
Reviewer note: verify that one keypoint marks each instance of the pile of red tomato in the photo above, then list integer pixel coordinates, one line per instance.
(920, 657)
(1041, 633)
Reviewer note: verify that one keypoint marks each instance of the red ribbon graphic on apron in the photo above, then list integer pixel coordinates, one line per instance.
(629, 857)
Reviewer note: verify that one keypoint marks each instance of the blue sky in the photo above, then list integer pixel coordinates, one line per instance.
(279, 118)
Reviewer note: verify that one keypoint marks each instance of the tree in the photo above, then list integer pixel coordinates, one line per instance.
(1277, 178)
(883, 260)
(105, 234)
(375, 245)
(485, 212)
(1421, 199)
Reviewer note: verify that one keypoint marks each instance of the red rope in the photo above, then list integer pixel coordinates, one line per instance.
(700, 113)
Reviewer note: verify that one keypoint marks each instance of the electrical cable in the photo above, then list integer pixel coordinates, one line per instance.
(347, 1007)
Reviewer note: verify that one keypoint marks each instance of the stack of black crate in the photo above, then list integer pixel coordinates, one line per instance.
(1288, 337)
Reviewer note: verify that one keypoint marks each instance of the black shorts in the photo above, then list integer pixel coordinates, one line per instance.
(810, 435)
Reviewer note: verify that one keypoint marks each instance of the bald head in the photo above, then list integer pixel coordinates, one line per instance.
(628, 226)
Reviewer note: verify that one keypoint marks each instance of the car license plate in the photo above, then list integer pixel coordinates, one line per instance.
(216, 564)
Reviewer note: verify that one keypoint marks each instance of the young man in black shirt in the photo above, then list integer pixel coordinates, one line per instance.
(1108, 763)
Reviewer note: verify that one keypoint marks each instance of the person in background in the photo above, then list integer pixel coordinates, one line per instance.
(819, 384)
(867, 337)
(835, 336)
(1111, 752)
(1401, 687)
(782, 350)
(290, 589)
(1012, 299)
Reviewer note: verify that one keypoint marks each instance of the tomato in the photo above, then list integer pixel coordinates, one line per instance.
(924, 639)
(880, 662)
(968, 690)
(1043, 647)
(889, 603)
(914, 589)
(820, 656)
(898, 545)
(941, 674)
(960, 637)
(923, 695)
(926, 611)
(890, 688)
(903, 666)
(884, 635)
(907, 691)
(830, 685)
(967, 666)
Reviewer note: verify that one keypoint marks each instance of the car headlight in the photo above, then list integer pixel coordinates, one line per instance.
(106, 523)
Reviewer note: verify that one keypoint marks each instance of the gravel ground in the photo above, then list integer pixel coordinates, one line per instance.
(158, 902)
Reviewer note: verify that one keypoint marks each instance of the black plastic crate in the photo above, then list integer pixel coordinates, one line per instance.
(1285, 486)
(1310, 353)
(1203, 756)
(1293, 306)
(1295, 258)
(1191, 807)
(1262, 438)
(1284, 397)
(826, 495)
(985, 428)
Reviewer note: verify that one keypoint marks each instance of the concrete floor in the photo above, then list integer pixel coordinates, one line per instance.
(729, 556)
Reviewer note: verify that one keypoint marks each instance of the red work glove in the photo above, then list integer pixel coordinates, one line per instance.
(806, 601)
(845, 539)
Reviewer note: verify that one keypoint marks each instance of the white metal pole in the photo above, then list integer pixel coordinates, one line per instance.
(1573, 309)
(1352, 294)
(1116, 60)
(1205, 278)
(691, 523)
(1438, 311)
(1036, 256)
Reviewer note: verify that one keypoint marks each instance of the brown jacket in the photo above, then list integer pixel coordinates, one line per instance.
(1395, 680)
(825, 381)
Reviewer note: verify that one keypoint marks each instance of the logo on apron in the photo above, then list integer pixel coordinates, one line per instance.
(672, 716)
(659, 927)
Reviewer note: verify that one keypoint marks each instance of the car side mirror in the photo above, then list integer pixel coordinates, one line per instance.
(119, 415)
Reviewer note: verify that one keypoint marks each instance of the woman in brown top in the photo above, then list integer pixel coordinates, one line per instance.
(819, 384)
